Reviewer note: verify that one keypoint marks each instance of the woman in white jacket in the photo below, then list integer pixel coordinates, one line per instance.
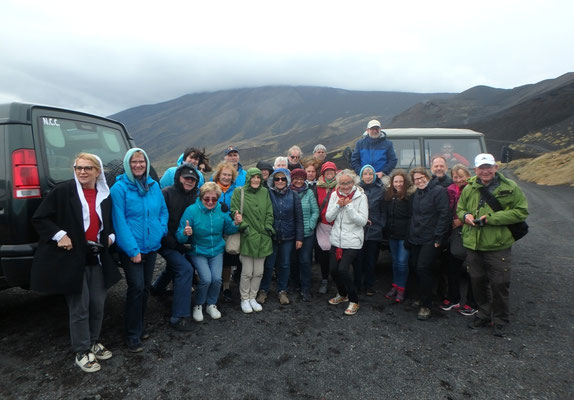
(349, 209)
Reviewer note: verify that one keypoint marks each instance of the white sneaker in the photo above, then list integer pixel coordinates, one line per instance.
(213, 311)
(246, 306)
(255, 305)
(198, 313)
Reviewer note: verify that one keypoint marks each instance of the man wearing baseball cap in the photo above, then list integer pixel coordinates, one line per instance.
(232, 156)
(374, 149)
(488, 239)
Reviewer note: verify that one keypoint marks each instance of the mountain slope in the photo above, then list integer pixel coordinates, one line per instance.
(261, 122)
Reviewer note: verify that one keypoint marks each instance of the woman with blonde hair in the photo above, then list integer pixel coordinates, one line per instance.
(74, 223)
(348, 209)
(203, 225)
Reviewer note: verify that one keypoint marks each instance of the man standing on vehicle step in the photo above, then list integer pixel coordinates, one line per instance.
(488, 239)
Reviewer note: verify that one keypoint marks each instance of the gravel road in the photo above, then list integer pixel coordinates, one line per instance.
(311, 350)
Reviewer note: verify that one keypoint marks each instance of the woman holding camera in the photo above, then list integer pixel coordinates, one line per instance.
(75, 228)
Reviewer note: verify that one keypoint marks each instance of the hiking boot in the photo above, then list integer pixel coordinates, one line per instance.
(184, 324)
(416, 304)
(352, 308)
(467, 310)
(135, 347)
(283, 299)
(255, 305)
(246, 306)
(212, 311)
(370, 292)
(499, 330)
(88, 362)
(478, 323)
(424, 314)
(145, 335)
(324, 286)
(306, 296)
(198, 313)
(448, 305)
(400, 296)
(100, 352)
(261, 297)
(391, 293)
(338, 299)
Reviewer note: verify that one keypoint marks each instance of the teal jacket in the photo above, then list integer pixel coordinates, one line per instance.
(208, 227)
(495, 235)
(310, 211)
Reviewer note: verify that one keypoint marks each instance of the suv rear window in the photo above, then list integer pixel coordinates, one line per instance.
(65, 138)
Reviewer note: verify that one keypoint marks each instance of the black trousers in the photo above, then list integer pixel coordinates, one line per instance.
(341, 272)
(423, 259)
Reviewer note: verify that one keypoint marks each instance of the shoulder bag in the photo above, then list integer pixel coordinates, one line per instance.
(233, 242)
(519, 229)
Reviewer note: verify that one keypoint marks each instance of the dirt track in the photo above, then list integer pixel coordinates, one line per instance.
(310, 350)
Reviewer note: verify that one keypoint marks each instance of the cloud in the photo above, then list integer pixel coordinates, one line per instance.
(107, 56)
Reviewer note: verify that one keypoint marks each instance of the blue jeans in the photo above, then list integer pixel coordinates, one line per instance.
(282, 255)
(303, 262)
(138, 278)
(209, 270)
(178, 268)
(364, 270)
(400, 257)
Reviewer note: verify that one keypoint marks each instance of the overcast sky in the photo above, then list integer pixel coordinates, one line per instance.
(105, 56)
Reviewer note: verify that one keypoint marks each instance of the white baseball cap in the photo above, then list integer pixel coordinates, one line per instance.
(483, 159)
(372, 123)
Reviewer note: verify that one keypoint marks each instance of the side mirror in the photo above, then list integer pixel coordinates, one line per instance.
(506, 154)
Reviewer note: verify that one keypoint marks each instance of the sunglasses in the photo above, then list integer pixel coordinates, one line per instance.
(294, 157)
(79, 168)
(210, 199)
(282, 179)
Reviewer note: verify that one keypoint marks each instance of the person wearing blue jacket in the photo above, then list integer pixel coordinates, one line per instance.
(192, 156)
(288, 225)
(374, 149)
(140, 218)
(232, 157)
(203, 225)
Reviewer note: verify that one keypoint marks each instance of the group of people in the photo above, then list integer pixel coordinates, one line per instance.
(286, 215)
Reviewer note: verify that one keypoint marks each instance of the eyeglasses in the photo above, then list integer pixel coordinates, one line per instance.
(210, 199)
(79, 168)
(345, 183)
(282, 179)
(420, 178)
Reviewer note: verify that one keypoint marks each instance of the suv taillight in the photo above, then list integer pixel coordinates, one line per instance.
(25, 178)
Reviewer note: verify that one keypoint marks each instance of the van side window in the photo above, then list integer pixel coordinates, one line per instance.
(408, 152)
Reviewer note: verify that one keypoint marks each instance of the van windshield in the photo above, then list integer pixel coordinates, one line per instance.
(455, 150)
(65, 138)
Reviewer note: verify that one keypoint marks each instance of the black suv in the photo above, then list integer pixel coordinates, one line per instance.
(38, 145)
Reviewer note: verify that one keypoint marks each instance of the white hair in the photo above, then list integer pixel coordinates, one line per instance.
(280, 159)
(349, 173)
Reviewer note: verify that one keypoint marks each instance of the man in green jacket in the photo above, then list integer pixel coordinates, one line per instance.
(488, 240)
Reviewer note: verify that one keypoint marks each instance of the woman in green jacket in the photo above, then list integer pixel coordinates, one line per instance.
(256, 230)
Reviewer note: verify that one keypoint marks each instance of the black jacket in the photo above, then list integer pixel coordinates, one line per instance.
(177, 200)
(445, 181)
(397, 214)
(59, 271)
(431, 217)
(374, 192)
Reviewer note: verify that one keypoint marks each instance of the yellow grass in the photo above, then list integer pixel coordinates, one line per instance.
(556, 168)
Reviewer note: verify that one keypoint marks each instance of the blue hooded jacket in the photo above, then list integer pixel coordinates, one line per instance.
(287, 209)
(139, 212)
(168, 176)
(378, 152)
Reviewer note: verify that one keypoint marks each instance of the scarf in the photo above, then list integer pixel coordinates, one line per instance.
(347, 196)
(223, 188)
(142, 185)
(322, 183)
(298, 190)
